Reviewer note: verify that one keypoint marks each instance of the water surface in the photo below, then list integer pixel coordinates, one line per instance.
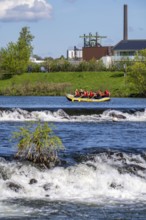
(103, 169)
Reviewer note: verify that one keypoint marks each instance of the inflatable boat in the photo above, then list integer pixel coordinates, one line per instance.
(80, 99)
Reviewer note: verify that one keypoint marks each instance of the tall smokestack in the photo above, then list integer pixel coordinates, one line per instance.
(125, 35)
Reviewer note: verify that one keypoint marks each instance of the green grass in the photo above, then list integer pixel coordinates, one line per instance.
(113, 81)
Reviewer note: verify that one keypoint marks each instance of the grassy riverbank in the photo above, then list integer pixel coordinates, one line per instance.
(59, 83)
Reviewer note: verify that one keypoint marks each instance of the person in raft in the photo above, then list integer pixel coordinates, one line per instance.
(106, 93)
(91, 94)
(85, 94)
(81, 92)
(101, 94)
(77, 93)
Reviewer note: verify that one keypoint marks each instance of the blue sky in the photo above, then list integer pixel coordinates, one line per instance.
(58, 24)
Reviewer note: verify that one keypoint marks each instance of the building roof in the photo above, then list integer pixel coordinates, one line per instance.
(130, 45)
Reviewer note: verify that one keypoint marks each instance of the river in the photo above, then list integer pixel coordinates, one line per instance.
(103, 167)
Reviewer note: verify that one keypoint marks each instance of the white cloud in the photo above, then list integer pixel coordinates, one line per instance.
(24, 10)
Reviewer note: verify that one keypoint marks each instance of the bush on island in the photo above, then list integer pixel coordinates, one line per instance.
(38, 145)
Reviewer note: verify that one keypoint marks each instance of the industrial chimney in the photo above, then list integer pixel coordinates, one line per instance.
(125, 35)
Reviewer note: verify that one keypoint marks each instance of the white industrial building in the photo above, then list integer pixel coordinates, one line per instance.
(75, 54)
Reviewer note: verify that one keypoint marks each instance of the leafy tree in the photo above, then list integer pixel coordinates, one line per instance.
(24, 48)
(137, 74)
(137, 78)
(39, 145)
(9, 65)
(14, 59)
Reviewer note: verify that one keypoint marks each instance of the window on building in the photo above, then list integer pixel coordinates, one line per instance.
(127, 53)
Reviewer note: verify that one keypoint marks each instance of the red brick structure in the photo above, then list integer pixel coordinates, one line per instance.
(96, 52)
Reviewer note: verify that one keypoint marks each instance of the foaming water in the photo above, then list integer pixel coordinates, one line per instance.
(62, 116)
(103, 168)
(109, 176)
(124, 116)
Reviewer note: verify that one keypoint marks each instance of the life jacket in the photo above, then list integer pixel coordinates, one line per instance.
(85, 93)
(106, 93)
(91, 94)
(77, 93)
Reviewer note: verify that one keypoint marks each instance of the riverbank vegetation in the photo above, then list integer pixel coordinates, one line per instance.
(20, 76)
(60, 83)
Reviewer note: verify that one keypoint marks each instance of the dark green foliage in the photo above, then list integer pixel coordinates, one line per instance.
(38, 145)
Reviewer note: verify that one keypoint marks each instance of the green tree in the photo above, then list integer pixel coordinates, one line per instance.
(24, 48)
(38, 145)
(14, 59)
(9, 65)
(136, 75)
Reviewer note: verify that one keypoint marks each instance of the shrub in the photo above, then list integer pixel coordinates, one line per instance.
(38, 145)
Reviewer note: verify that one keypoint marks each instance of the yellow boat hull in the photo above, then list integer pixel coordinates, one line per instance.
(79, 99)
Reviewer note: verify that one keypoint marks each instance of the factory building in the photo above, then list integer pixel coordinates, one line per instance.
(92, 48)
